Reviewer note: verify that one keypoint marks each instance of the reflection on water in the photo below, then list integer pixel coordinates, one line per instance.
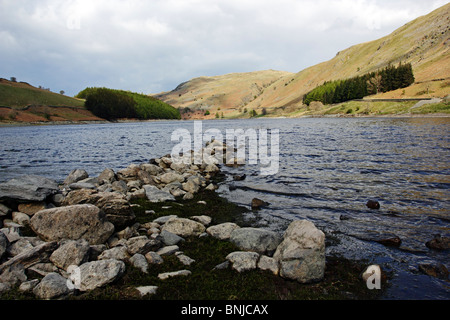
(329, 168)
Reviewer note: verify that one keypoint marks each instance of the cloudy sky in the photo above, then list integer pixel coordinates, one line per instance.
(151, 46)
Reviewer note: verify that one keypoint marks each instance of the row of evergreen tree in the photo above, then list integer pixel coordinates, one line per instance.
(387, 79)
(114, 104)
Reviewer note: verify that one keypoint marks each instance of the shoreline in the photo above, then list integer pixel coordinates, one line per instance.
(206, 277)
(51, 123)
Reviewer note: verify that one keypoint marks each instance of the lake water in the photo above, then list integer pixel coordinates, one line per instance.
(328, 169)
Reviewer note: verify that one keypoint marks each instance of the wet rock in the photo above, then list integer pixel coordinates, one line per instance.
(238, 177)
(28, 188)
(435, 270)
(439, 243)
(258, 204)
(390, 242)
(84, 221)
(373, 204)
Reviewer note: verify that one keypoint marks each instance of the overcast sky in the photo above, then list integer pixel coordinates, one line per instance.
(154, 45)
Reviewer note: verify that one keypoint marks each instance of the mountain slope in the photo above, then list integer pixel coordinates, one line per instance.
(226, 93)
(424, 42)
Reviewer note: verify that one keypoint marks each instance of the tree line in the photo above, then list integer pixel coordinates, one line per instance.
(112, 104)
(387, 79)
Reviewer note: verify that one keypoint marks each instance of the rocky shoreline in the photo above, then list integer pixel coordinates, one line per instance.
(65, 240)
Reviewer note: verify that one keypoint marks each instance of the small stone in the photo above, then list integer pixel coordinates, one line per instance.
(243, 261)
(167, 251)
(140, 262)
(145, 290)
(184, 259)
(167, 275)
(153, 258)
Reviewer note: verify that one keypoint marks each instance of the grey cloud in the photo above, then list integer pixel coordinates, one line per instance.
(152, 46)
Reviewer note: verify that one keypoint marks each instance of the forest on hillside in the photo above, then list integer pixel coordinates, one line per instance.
(112, 104)
(387, 79)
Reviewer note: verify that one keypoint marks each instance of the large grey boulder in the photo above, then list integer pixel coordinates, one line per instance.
(28, 188)
(96, 274)
(301, 255)
(115, 206)
(255, 239)
(52, 286)
(84, 221)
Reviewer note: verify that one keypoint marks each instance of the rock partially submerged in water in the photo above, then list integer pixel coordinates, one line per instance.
(373, 204)
(439, 243)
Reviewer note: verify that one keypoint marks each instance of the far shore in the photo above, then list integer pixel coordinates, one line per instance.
(70, 122)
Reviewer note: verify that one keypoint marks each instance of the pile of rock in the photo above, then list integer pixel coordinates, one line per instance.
(85, 230)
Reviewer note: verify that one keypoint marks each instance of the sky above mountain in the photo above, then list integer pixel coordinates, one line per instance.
(152, 46)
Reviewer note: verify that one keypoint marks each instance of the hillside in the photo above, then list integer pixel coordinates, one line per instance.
(21, 102)
(423, 42)
(220, 94)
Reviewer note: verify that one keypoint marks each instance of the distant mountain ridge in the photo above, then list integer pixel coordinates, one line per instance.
(423, 42)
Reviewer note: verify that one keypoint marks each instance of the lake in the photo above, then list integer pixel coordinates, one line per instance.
(328, 169)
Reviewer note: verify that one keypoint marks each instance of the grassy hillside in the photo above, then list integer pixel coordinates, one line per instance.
(423, 42)
(21, 102)
(225, 94)
(20, 94)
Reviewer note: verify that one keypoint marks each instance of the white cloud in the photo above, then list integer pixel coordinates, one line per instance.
(152, 46)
